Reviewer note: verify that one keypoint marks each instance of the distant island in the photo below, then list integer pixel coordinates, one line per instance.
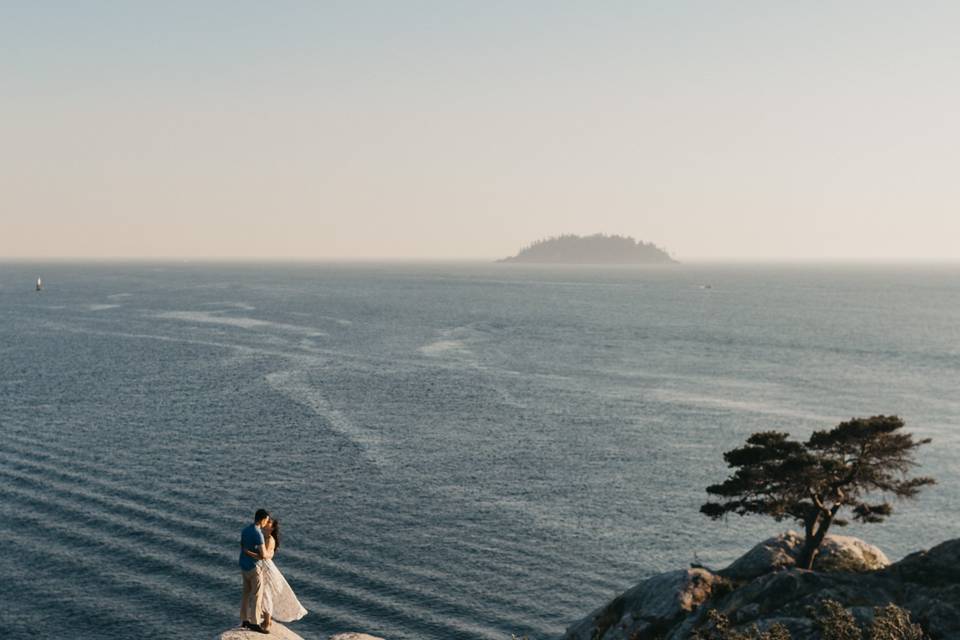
(596, 249)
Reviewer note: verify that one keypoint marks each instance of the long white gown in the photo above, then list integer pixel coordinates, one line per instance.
(278, 598)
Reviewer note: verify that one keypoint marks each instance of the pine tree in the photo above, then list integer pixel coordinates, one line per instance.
(812, 482)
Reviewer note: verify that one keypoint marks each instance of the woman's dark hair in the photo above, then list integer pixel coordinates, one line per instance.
(276, 533)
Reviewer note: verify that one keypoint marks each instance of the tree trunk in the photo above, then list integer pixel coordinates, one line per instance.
(816, 531)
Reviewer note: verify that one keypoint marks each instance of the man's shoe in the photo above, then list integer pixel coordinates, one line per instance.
(245, 624)
(257, 628)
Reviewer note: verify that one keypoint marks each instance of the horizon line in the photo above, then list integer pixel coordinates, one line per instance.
(475, 260)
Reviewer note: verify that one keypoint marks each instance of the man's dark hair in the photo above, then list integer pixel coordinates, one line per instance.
(260, 515)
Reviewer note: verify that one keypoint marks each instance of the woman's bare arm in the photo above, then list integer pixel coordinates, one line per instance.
(268, 547)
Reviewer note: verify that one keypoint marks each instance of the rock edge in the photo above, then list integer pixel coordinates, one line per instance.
(764, 586)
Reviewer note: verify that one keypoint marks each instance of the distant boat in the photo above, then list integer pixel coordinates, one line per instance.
(39, 284)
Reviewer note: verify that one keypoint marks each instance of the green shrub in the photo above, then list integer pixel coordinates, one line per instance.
(893, 623)
(834, 621)
(720, 628)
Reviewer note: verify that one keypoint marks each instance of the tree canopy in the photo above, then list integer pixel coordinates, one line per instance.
(856, 466)
(595, 249)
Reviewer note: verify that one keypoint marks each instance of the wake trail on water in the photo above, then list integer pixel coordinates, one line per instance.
(295, 384)
(242, 322)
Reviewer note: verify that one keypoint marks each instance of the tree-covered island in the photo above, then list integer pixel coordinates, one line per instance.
(596, 249)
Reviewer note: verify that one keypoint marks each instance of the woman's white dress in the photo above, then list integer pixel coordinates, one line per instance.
(278, 598)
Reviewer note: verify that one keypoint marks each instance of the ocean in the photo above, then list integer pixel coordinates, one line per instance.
(455, 451)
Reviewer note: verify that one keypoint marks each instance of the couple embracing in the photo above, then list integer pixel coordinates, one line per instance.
(266, 594)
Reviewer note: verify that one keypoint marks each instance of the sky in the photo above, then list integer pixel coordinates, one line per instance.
(455, 129)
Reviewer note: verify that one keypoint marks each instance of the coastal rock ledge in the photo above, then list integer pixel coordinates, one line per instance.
(277, 631)
(280, 632)
(764, 587)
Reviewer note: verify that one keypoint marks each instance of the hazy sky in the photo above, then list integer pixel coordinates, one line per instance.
(456, 129)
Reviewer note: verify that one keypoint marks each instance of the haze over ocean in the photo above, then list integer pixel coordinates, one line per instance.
(759, 130)
(457, 451)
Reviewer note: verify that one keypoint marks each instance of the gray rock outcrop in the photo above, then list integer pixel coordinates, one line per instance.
(655, 604)
(837, 553)
(277, 632)
(672, 605)
(280, 632)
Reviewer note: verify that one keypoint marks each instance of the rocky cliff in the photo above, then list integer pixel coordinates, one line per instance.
(764, 587)
(280, 632)
(277, 632)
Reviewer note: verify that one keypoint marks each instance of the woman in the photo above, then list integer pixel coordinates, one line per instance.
(279, 601)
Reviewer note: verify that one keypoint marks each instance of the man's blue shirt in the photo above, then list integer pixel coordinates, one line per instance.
(250, 538)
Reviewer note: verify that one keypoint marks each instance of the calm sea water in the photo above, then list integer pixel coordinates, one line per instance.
(455, 451)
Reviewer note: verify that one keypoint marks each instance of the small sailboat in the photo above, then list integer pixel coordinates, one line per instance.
(39, 284)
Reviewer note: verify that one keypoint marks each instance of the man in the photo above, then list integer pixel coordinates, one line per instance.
(251, 548)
